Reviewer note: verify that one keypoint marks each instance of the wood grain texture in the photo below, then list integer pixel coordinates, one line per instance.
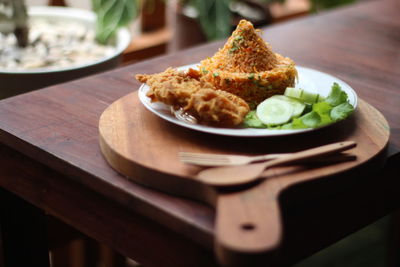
(58, 127)
(144, 148)
(98, 217)
(134, 141)
(241, 175)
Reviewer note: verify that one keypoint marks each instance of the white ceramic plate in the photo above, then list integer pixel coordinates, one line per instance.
(309, 79)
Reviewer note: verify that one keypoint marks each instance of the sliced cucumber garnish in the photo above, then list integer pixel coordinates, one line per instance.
(274, 111)
(309, 97)
(298, 106)
(303, 95)
(293, 92)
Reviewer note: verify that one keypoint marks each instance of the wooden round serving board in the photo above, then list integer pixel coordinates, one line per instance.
(144, 147)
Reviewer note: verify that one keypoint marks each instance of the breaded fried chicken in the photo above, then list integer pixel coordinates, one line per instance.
(197, 97)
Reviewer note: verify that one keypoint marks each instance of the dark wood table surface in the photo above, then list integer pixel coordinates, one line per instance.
(51, 157)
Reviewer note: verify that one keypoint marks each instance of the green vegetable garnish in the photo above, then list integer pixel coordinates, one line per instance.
(309, 120)
(203, 70)
(323, 109)
(236, 43)
(332, 109)
(336, 96)
(341, 111)
(252, 121)
(233, 49)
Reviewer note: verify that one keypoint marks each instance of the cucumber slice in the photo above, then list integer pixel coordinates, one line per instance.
(273, 111)
(298, 106)
(298, 109)
(303, 95)
(293, 92)
(309, 97)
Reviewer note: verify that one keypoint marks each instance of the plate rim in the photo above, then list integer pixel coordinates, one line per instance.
(241, 132)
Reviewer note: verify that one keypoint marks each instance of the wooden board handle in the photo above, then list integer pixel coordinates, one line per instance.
(248, 226)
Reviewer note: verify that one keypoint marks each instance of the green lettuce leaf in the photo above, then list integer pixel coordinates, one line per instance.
(336, 96)
(323, 109)
(252, 121)
(308, 120)
(341, 111)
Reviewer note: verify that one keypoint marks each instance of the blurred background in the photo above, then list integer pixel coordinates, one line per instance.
(162, 27)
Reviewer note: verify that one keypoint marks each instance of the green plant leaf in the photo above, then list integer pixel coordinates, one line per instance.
(103, 28)
(214, 17)
(96, 4)
(111, 15)
(131, 11)
(223, 19)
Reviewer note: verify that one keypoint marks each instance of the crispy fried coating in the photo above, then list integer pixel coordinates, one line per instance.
(171, 87)
(197, 97)
(218, 107)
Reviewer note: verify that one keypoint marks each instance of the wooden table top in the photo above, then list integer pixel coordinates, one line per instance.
(58, 126)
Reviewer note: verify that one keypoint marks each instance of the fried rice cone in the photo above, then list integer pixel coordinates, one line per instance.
(247, 67)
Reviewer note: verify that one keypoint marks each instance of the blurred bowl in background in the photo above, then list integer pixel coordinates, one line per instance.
(14, 82)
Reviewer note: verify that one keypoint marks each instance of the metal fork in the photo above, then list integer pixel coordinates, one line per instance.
(204, 159)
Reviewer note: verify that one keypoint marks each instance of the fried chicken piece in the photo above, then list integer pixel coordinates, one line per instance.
(171, 87)
(199, 98)
(217, 107)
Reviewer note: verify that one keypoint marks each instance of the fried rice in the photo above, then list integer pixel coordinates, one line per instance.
(247, 67)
